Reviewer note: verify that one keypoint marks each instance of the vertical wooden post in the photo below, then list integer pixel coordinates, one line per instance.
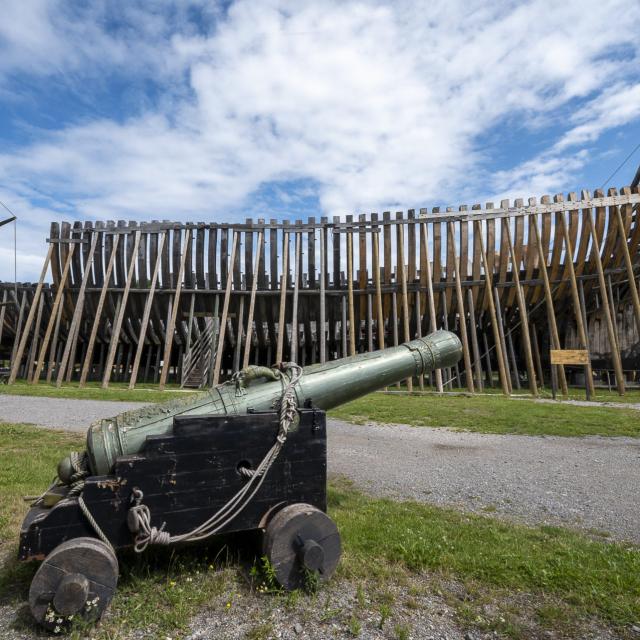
(524, 317)
(477, 363)
(635, 299)
(77, 313)
(536, 353)
(15, 364)
(146, 314)
(240, 325)
(225, 311)
(117, 325)
(295, 333)
(323, 283)
(252, 301)
(375, 233)
(577, 307)
(54, 347)
(615, 354)
(488, 281)
(461, 312)
(553, 327)
(283, 296)
(402, 276)
(36, 335)
(432, 306)
(352, 324)
(168, 340)
(418, 316)
(503, 343)
(54, 310)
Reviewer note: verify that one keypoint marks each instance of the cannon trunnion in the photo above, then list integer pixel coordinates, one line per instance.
(185, 477)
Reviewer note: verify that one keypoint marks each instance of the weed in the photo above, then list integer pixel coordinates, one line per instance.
(355, 627)
(401, 632)
(260, 632)
(385, 614)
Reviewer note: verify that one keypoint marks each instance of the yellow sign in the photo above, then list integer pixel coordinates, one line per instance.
(569, 356)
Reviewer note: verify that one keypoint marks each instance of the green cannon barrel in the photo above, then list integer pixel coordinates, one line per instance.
(326, 385)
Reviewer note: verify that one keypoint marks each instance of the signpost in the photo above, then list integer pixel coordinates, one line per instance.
(572, 357)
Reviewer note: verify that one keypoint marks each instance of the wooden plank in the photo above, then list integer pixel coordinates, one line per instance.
(394, 321)
(375, 246)
(283, 297)
(323, 283)
(503, 342)
(492, 311)
(460, 306)
(431, 303)
(577, 307)
(117, 325)
(615, 354)
(476, 266)
(16, 358)
(54, 310)
(477, 363)
(168, 341)
(524, 320)
(569, 356)
(147, 314)
(402, 275)
(77, 314)
(295, 333)
(551, 316)
(34, 344)
(352, 324)
(252, 301)
(388, 267)
(54, 345)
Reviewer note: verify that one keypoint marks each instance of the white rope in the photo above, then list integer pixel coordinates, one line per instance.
(141, 514)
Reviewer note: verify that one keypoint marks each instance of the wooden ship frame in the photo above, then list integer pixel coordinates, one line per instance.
(189, 303)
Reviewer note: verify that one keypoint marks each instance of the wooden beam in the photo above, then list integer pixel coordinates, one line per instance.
(295, 333)
(488, 269)
(283, 297)
(146, 314)
(168, 340)
(225, 312)
(376, 280)
(252, 301)
(352, 323)
(54, 310)
(117, 325)
(432, 306)
(15, 364)
(474, 340)
(323, 283)
(77, 313)
(551, 316)
(98, 317)
(402, 276)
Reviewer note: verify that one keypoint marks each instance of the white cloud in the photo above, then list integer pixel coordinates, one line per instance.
(377, 104)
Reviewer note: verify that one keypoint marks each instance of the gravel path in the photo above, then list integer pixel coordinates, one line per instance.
(60, 413)
(592, 483)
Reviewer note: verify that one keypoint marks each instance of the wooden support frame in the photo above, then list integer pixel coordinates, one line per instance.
(252, 302)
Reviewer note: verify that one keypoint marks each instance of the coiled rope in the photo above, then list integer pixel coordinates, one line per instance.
(140, 514)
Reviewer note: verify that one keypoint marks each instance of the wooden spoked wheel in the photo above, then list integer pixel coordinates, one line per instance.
(76, 580)
(299, 540)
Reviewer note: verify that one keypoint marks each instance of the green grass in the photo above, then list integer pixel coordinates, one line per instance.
(491, 414)
(117, 391)
(559, 577)
(589, 577)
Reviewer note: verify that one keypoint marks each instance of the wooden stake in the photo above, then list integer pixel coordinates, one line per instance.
(352, 324)
(376, 280)
(402, 275)
(474, 341)
(323, 283)
(294, 312)
(503, 344)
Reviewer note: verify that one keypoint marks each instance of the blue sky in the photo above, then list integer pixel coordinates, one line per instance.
(220, 111)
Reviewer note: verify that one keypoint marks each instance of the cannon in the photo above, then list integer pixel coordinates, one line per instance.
(247, 455)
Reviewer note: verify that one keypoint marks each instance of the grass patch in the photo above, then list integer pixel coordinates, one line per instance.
(117, 391)
(586, 577)
(490, 571)
(491, 414)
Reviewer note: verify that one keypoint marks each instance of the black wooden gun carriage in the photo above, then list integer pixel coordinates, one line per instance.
(185, 477)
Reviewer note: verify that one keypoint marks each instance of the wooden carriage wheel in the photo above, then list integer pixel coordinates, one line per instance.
(300, 539)
(76, 580)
